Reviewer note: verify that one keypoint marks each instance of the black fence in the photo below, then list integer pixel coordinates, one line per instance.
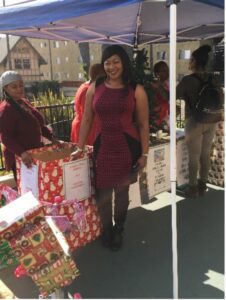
(60, 117)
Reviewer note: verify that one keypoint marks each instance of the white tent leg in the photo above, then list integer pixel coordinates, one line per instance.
(173, 26)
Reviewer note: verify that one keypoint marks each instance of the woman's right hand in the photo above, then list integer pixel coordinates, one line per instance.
(27, 159)
(76, 155)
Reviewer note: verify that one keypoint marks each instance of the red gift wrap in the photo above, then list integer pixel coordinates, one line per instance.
(83, 217)
(49, 160)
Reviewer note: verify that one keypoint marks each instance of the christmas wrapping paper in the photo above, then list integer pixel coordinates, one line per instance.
(7, 257)
(82, 224)
(18, 214)
(49, 161)
(7, 195)
(56, 275)
(36, 246)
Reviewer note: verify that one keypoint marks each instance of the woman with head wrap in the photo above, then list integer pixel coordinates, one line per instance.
(21, 125)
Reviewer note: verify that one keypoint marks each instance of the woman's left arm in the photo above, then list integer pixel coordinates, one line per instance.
(142, 118)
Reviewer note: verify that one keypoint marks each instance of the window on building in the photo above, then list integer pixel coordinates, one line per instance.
(66, 75)
(26, 64)
(161, 55)
(56, 76)
(80, 76)
(184, 54)
(58, 60)
(91, 57)
(43, 44)
(56, 44)
(65, 43)
(66, 59)
(18, 63)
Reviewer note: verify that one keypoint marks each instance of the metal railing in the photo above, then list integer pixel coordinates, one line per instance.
(60, 117)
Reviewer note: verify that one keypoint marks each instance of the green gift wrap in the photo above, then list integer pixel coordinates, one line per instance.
(6, 256)
(56, 275)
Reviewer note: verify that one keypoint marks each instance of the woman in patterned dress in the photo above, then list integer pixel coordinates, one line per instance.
(121, 145)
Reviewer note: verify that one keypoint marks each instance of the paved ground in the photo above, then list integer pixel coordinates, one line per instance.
(143, 267)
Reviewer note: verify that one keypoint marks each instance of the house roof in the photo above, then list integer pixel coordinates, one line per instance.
(13, 40)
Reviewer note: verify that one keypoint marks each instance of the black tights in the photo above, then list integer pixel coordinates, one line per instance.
(121, 203)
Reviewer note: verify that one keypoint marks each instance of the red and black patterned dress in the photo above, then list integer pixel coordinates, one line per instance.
(117, 146)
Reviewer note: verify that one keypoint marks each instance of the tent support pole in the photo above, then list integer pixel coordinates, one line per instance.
(173, 26)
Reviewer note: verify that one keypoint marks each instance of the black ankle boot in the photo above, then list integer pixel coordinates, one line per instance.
(202, 187)
(117, 238)
(106, 238)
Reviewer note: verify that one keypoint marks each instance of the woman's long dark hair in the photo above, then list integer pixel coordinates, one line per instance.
(127, 75)
(201, 55)
(14, 103)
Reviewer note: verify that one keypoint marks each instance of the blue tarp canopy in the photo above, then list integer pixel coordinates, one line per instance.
(131, 22)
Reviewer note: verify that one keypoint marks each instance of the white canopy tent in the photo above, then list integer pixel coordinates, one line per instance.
(130, 22)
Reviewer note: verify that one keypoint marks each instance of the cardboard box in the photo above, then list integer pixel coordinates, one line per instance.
(37, 246)
(56, 275)
(18, 214)
(84, 220)
(45, 178)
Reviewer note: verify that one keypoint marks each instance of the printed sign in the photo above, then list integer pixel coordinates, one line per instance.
(29, 179)
(158, 169)
(76, 175)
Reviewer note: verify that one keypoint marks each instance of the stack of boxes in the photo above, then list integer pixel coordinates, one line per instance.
(49, 161)
(216, 173)
(39, 248)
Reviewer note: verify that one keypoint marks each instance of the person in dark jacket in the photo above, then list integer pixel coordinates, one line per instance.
(198, 135)
(21, 125)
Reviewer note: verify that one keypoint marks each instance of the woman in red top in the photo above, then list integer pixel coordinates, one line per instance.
(160, 87)
(21, 125)
(95, 71)
(120, 147)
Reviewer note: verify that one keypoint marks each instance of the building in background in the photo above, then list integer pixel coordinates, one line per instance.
(24, 57)
(38, 59)
(64, 60)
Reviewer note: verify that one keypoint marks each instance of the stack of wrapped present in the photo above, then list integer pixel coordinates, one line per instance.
(7, 258)
(39, 247)
(79, 220)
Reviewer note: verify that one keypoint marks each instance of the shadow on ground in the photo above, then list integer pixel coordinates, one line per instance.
(143, 267)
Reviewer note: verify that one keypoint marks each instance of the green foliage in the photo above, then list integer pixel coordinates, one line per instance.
(141, 70)
(57, 113)
(49, 98)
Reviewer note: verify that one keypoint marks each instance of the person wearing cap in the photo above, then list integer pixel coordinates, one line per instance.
(21, 125)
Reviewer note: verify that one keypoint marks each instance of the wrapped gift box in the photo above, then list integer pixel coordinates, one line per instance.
(83, 217)
(7, 195)
(37, 246)
(47, 172)
(56, 275)
(18, 214)
(7, 257)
